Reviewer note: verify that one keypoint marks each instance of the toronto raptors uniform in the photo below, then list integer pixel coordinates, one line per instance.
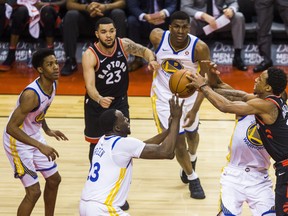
(112, 79)
(275, 140)
(26, 159)
(245, 178)
(109, 179)
(170, 61)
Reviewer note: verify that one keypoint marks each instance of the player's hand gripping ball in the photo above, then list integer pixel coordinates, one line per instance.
(178, 82)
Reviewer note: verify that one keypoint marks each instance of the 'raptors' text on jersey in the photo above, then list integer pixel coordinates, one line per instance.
(111, 70)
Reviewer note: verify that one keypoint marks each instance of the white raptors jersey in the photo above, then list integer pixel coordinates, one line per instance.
(170, 61)
(111, 173)
(33, 121)
(246, 148)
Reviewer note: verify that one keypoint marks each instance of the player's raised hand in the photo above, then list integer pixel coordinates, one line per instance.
(197, 81)
(209, 66)
(175, 108)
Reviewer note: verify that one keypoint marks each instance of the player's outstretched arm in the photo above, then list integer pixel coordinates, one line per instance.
(130, 47)
(166, 149)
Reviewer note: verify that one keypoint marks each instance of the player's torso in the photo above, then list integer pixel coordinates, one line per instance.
(171, 60)
(33, 121)
(246, 148)
(107, 183)
(275, 135)
(111, 72)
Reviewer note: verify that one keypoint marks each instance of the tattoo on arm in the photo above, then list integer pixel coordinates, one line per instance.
(133, 48)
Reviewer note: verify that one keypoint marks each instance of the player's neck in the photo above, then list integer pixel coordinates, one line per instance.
(46, 85)
(179, 45)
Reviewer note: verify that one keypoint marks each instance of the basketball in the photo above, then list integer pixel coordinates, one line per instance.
(178, 82)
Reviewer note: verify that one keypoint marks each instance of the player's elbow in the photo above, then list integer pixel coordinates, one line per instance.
(171, 156)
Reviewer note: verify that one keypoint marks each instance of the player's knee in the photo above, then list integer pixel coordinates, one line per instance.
(54, 180)
(33, 193)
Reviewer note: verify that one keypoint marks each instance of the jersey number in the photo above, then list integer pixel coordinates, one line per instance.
(113, 77)
(95, 175)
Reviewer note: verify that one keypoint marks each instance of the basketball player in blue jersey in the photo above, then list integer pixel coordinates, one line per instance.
(177, 49)
(109, 178)
(106, 77)
(271, 114)
(24, 144)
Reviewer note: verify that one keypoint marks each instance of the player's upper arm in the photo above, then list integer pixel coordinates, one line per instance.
(156, 36)
(88, 63)
(29, 101)
(202, 51)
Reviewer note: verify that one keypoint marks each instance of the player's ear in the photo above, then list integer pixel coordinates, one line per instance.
(40, 70)
(116, 128)
(268, 88)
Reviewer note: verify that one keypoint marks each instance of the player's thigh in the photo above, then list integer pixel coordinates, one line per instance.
(42, 164)
(260, 196)
(21, 159)
(161, 111)
(232, 192)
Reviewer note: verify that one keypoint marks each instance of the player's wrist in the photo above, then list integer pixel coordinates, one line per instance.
(202, 86)
(99, 99)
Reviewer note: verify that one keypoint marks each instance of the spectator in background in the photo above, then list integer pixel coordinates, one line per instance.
(20, 18)
(2, 16)
(265, 10)
(145, 15)
(205, 12)
(81, 18)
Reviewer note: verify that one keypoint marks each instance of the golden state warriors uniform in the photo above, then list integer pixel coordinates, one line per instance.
(109, 179)
(245, 178)
(170, 61)
(26, 159)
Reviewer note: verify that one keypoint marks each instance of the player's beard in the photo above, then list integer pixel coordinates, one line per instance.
(105, 45)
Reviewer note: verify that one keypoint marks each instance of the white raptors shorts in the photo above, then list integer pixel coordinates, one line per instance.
(239, 185)
(92, 208)
(26, 160)
(161, 111)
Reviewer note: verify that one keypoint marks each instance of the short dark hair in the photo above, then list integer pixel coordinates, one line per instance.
(39, 56)
(277, 79)
(107, 120)
(103, 20)
(179, 15)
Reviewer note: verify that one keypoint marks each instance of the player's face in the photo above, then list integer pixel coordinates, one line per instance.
(106, 34)
(179, 30)
(260, 84)
(122, 124)
(50, 68)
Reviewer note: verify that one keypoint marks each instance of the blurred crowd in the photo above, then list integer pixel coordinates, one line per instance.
(70, 20)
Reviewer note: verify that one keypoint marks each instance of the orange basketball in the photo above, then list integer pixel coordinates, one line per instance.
(178, 82)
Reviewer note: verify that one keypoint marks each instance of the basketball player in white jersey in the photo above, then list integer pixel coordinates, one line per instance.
(24, 144)
(246, 178)
(177, 49)
(109, 178)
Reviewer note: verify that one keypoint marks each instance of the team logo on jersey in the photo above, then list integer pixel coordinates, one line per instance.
(171, 65)
(39, 118)
(252, 138)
